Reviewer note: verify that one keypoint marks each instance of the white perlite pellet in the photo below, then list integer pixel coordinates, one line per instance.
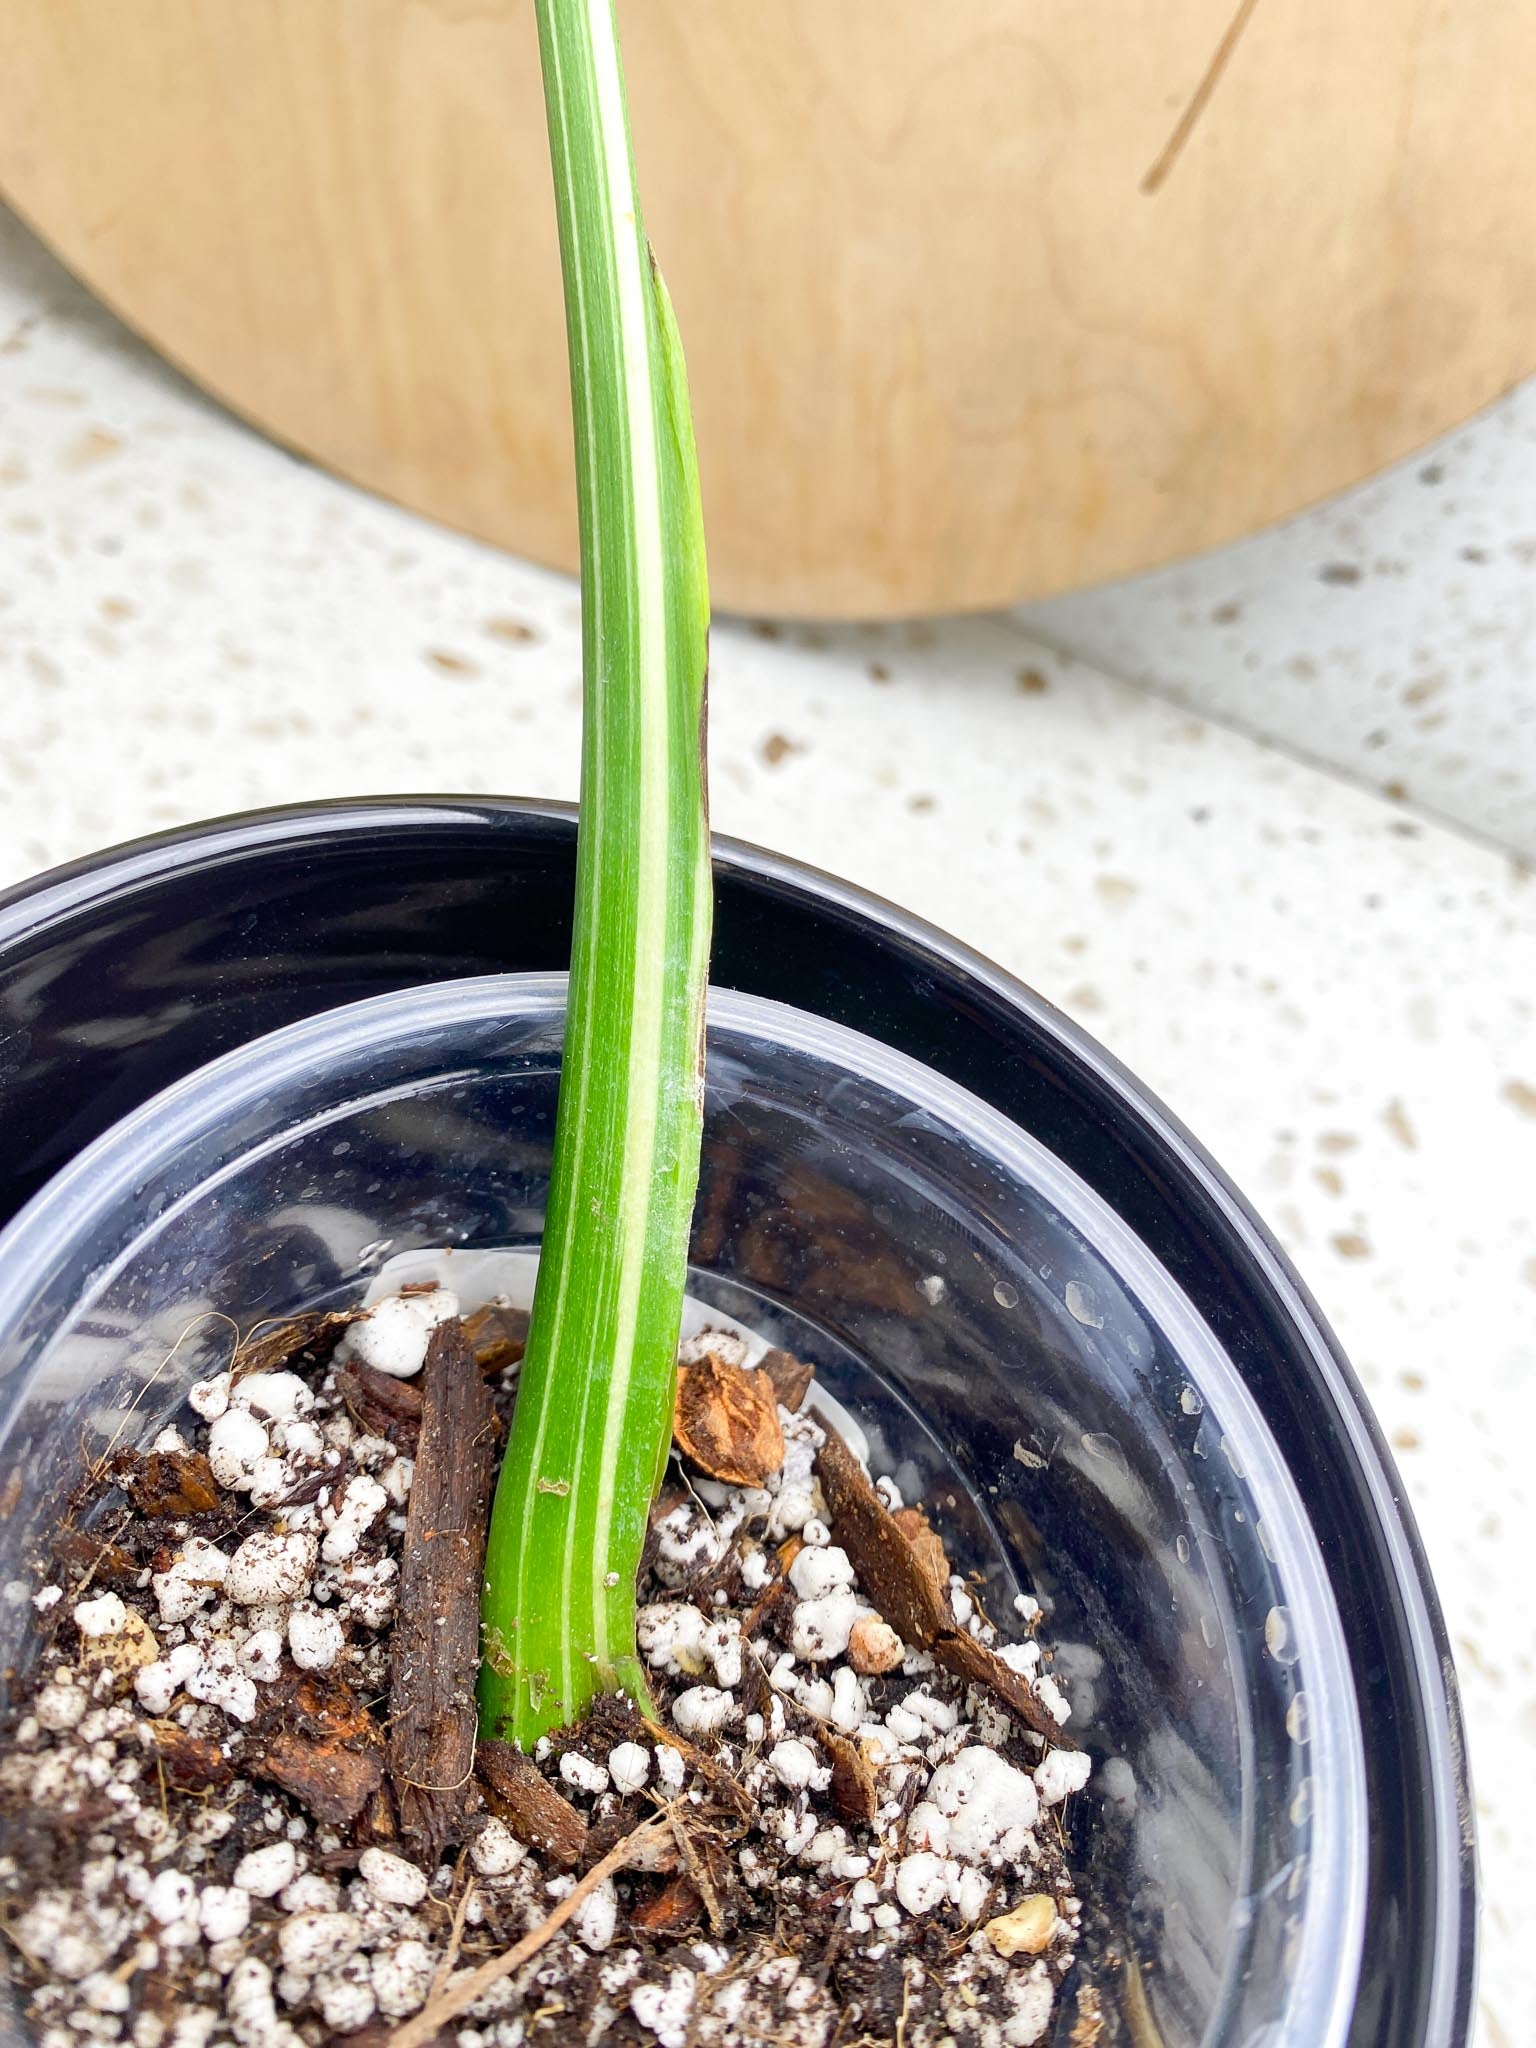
(793, 1763)
(496, 1851)
(816, 1573)
(314, 1939)
(209, 1398)
(190, 1582)
(276, 1395)
(223, 1911)
(394, 1335)
(665, 2008)
(629, 1766)
(583, 1773)
(597, 1918)
(1063, 1772)
(1051, 1697)
(236, 1443)
(264, 1872)
(102, 1617)
(262, 1654)
(978, 1807)
(702, 1709)
(349, 1519)
(158, 1683)
(271, 1568)
(821, 1628)
(402, 1977)
(391, 1878)
(315, 1637)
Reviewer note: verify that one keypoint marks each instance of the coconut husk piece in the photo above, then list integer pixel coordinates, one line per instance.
(726, 1421)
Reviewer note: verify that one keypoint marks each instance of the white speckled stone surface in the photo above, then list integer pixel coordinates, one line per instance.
(1391, 633)
(1335, 994)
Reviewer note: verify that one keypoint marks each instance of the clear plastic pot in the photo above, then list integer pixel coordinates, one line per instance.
(1005, 1338)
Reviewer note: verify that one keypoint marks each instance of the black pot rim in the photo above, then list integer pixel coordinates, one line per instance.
(1408, 1693)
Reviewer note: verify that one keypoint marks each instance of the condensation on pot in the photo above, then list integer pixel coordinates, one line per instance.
(1081, 1305)
(1280, 1636)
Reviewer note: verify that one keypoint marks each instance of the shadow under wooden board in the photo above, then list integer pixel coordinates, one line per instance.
(947, 351)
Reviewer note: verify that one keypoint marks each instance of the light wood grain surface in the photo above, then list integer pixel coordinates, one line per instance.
(946, 351)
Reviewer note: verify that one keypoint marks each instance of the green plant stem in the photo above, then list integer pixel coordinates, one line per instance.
(593, 1419)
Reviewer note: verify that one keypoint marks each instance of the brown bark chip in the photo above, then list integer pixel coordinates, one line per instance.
(381, 1405)
(497, 1335)
(726, 1419)
(677, 1905)
(319, 1742)
(312, 1336)
(791, 1378)
(162, 1483)
(334, 1783)
(191, 1763)
(926, 1542)
(436, 1648)
(900, 1585)
(83, 1557)
(518, 1793)
(854, 1793)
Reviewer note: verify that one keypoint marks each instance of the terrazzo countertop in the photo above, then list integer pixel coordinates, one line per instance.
(1335, 993)
(1391, 633)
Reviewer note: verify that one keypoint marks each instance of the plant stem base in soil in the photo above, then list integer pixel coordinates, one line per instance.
(838, 1821)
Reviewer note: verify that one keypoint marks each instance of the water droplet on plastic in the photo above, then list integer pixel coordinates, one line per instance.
(1100, 1445)
(1181, 1549)
(1190, 1401)
(1208, 1631)
(1298, 1719)
(1229, 1452)
(1261, 1530)
(1278, 1638)
(1081, 1306)
(1301, 1805)
(1005, 1295)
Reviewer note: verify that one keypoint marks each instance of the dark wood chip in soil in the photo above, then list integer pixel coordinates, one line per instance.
(790, 1377)
(675, 1908)
(317, 1740)
(518, 1793)
(383, 1406)
(927, 1546)
(854, 1792)
(164, 1483)
(80, 1555)
(498, 1335)
(190, 1762)
(899, 1584)
(435, 1652)
(297, 1341)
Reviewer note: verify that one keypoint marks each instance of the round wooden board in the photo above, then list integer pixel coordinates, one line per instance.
(946, 352)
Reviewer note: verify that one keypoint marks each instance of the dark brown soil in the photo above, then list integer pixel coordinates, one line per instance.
(284, 1668)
